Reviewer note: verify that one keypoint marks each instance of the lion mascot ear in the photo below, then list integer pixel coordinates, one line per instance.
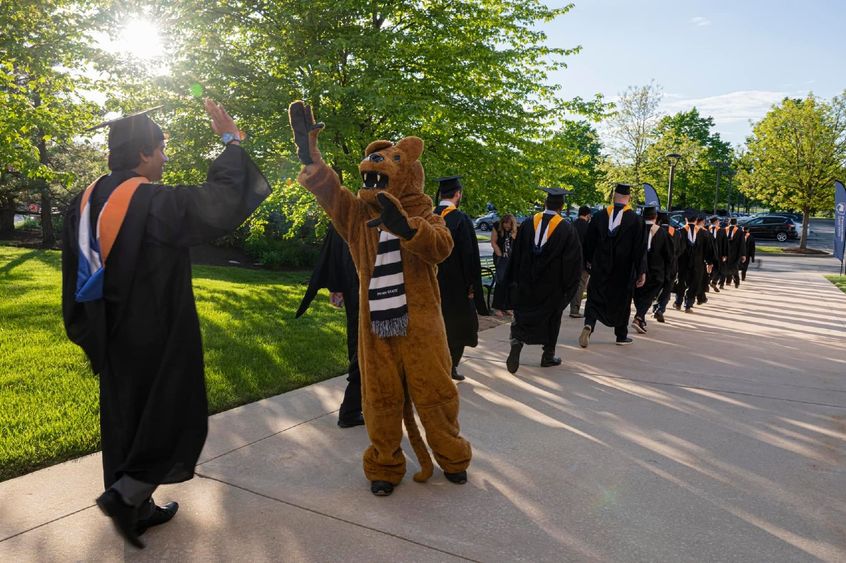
(411, 147)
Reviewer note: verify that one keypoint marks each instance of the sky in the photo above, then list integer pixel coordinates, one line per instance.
(731, 60)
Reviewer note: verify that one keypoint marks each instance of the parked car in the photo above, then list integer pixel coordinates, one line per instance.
(778, 227)
(486, 221)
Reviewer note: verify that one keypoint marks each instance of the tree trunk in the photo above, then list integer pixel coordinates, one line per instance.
(806, 220)
(7, 218)
(48, 237)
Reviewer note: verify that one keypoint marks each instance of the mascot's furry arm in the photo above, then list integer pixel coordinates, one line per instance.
(345, 210)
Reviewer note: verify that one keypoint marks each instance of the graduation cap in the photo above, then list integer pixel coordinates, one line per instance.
(648, 210)
(689, 214)
(555, 195)
(700, 217)
(623, 189)
(136, 127)
(448, 185)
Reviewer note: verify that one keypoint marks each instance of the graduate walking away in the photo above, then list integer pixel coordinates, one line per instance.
(660, 253)
(736, 252)
(460, 275)
(677, 238)
(127, 301)
(581, 226)
(335, 271)
(749, 250)
(694, 263)
(718, 273)
(542, 277)
(615, 253)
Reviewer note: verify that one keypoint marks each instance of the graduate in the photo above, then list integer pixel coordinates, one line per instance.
(736, 252)
(460, 275)
(704, 286)
(615, 254)
(127, 301)
(666, 293)
(718, 273)
(336, 271)
(581, 226)
(660, 253)
(749, 250)
(545, 270)
(696, 260)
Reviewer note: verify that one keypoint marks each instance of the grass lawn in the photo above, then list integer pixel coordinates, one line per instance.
(769, 249)
(839, 281)
(254, 348)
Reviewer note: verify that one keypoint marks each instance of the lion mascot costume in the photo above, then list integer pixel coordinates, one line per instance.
(396, 243)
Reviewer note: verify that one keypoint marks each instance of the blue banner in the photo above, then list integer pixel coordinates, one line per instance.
(839, 219)
(650, 196)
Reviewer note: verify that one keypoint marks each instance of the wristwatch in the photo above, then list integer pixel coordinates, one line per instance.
(229, 137)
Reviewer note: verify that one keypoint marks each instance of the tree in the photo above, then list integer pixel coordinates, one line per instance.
(43, 48)
(632, 127)
(469, 77)
(796, 152)
(577, 166)
(691, 135)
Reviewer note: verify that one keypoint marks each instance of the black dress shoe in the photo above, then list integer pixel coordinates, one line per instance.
(457, 376)
(549, 361)
(381, 488)
(356, 419)
(458, 478)
(714, 287)
(659, 316)
(513, 361)
(624, 341)
(161, 515)
(677, 306)
(124, 517)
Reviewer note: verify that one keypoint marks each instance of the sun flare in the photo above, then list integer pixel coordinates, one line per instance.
(139, 39)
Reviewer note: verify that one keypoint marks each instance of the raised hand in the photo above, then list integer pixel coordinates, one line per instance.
(393, 217)
(305, 132)
(222, 122)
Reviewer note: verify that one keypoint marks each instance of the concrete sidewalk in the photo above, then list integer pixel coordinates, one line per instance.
(660, 451)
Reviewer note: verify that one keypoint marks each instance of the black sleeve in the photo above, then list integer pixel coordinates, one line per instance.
(190, 215)
(571, 266)
(641, 264)
(471, 263)
(591, 236)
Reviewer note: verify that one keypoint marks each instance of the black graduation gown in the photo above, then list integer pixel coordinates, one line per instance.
(718, 236)
(749, 250)
(659, 261)
(542, 285)
(335, 270)
(457, 275)
(143, 337)
(692, 262)
(616, 261)
(736, 248)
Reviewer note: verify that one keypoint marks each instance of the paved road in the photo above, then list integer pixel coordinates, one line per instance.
(719, 436)
(820, 236)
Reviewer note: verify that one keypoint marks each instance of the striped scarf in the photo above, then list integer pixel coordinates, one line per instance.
(388, 307)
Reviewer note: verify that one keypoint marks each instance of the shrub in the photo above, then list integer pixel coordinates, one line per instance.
(285, 230)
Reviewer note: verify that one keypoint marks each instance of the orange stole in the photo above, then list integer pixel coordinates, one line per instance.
(113, 213)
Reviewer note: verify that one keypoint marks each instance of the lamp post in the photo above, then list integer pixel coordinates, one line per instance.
(729, 175)
(673, 159)
(719, 166)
